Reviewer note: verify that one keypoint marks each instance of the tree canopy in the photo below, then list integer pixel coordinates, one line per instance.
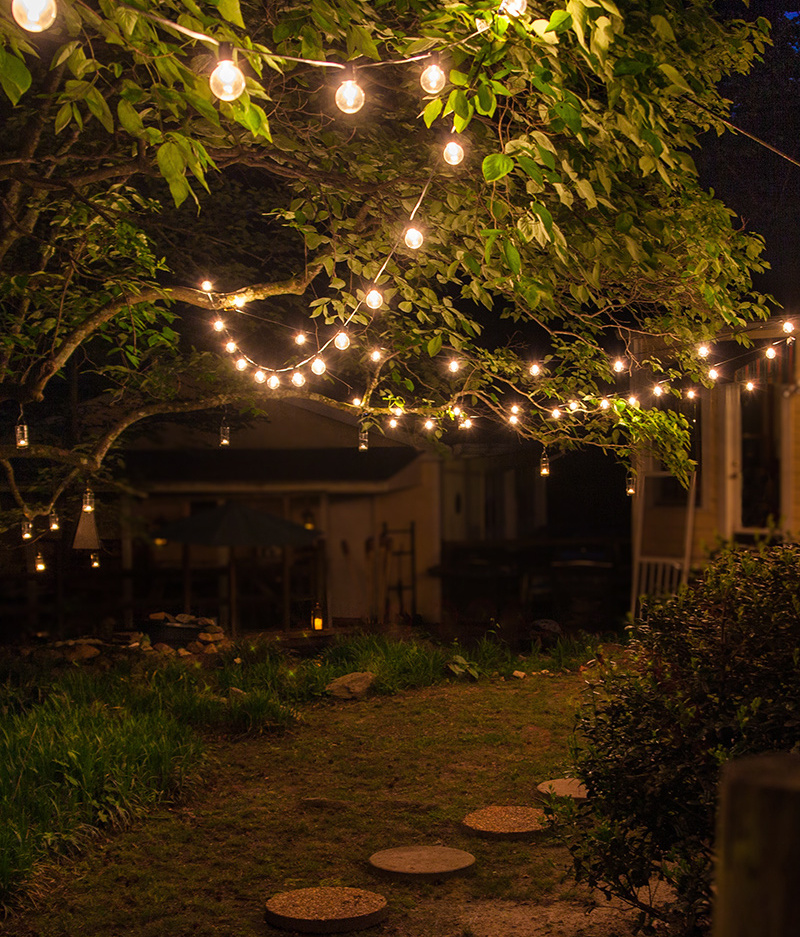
(572, 235)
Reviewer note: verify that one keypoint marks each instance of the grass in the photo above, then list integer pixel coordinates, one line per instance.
(81, 750)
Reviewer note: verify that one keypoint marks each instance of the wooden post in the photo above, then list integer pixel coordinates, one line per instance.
(758, 848)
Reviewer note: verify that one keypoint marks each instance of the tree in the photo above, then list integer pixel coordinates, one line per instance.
(573, 232)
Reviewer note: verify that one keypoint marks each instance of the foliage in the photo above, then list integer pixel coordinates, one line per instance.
(574, 230)
(709, 675)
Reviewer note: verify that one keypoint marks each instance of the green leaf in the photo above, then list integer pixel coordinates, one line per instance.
(99, 108)
(662, 26)
(63, 117)
(496, 165)
(230, 10)
(129, 118)
(432, 110)
(14, 76)
(560, 21)
(512, 256)
(458, 78)
(544, 214)
(485, 101)
(675, 77)
(531, 167)
(434, 345)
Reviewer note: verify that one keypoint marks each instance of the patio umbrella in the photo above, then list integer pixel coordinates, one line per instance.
(236, 525)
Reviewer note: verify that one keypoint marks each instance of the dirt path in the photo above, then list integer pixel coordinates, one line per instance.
(309, 808)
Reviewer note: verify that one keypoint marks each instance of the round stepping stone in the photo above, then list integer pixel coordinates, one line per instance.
(422, 862)
(506, 822)
(325, 910)
(563, 787)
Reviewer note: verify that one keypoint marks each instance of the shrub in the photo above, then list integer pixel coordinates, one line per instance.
(710, 675)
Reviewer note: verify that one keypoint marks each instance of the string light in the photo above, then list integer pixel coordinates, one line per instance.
(454, 366)
(393, 422)
(573, 405)
(619, 365)
(456, 411)
(34, 15)
(374, 299)
(555, 413)
(318, 366)
(230, 347)
(703, 351)
(41, 566)
(227, 81)
(750, 385)
(206, 286)
(432, 79)
(349, 96)
(298, 379)
(788, 327)
(605, 403)
(54, 521)
(219, 325)
(259, 377)
(535, 370)
(27, 529)
(273, 382)
(713, 373)
(398, 411)
(632, 400)
(363, 437)
(239, 301)
(514, 7)
(241, 364)
(356, 401)
(544, 464)
(770, 352)
(94, 560)
(513, 419)
(658, 390)
(342, 341)
(300, 338)
(224, 433)
(429, 424)
(87, 505)
(630, 485)
(413, 238)
(691, 394)
(466, 423)
(453, 153)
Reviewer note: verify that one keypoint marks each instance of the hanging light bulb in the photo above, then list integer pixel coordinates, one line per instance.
(432, 79)
(413, 238)
(555, 413)
(466, 423)
(573, 405)
(514, 7)
(453, 153)
(398, 411)
(318, 366)
(632, 400)
(750, 385)
(241, 364)
(94, 559)
(535, 370)
(363, 437)
(206, 286)
(393, 422)
(259, 377)
(54, 521)
(298, 379)
(87, 505)
(26, 528)
(713, 374)
(374, 299)
(703, 351)
(619, 365)
(376, 355)
(219, 325)
(41, 566)
(21, 435)
(429, 424)
(239, 301)
(658, 390)
(342, 341)
(788, 327)
(300, 338)
(691, 394)
(230, 347)
(630, 485)
(605, 403)
(456, 411)
(454, 366)
(349, 96)
(34, 15)
(226, 81)
(224, 433)
(770, 353)
(273, 382)
(513, 419)
(356, 401)
(544, 464)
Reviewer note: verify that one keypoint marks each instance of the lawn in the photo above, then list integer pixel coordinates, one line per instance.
(309, 805)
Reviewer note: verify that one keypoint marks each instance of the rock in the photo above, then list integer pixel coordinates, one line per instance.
(210, 624)
(182, 652)
(157, 616)
(209, 637)
(195, 647)
(81, 652)
(235, 693)
(183, 618)
(351, 685)
(519, 674)
(164, 649)
(210, 649)
(546, 632)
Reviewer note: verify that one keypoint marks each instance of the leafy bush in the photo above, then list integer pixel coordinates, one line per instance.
(710, 675)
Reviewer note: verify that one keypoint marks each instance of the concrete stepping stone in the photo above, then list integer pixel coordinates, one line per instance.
(325, 910)
(424, 863)
(563, 787)
(506, 822)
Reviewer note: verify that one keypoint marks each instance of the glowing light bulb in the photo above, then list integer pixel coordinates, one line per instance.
(544, 464)
(535, 370)
(456, 411)
(750, 385)
(429, 424)
(513, 419)
(630, 485)
(300, 339)
(453, 366)
(770, 352)
(363, 437)
(87, 505)
(703, 351)
(27, 529)
(514, 408)
(298, 379)
(206, 286)
(34, 15)
(555, 413)
(432, 79)
(632, 400)
(21, 435)
(691, 394)
(342, 341)
(259, 377)
(238, 301)
(713, 374)
(514, 7)
(788, 327)
(318, 366)
(356, 401)
(375, 355)
(349, 97)
(605, 403)
(230, 347)
(658, 390)
(413, 238)
(241, 364)
(619, 365)
(573, 405)
(393, 422)
(219, 325)
(41, 566)
(95, 560)
(55, 523)
(466, 423)
(453, 153)
(398, 411)
(227, 81)
(273, 382)
(374, 299)
(224, 433)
